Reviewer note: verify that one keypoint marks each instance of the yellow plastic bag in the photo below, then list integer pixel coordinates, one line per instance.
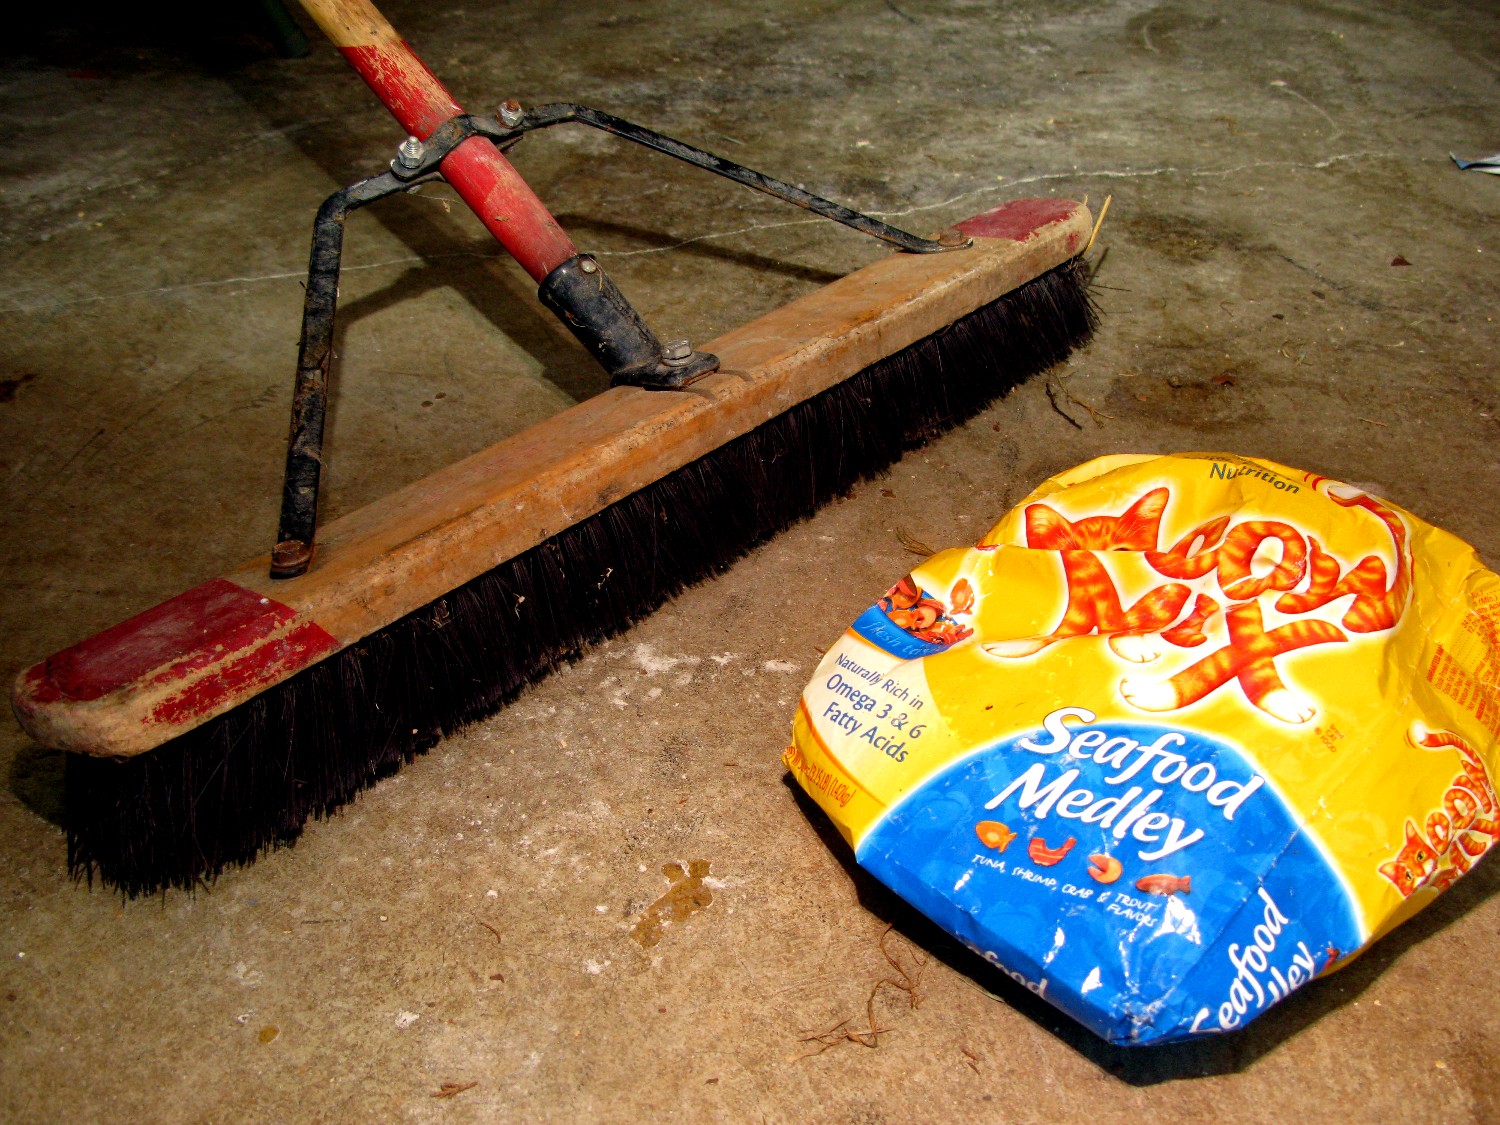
(1180, 734)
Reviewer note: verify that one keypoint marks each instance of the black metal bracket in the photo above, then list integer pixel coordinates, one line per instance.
(304, 454)
(578, 291)
(592, 307)
(456, 130)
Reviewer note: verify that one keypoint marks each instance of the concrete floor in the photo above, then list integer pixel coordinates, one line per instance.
(470, 921)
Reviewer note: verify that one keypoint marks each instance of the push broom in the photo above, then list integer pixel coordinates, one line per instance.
(210, 727)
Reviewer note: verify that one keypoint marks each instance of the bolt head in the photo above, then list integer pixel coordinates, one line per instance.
(676, 352)
(409, 155)
(953, 237)
(510, 113)
(588, 265)
(290, 554)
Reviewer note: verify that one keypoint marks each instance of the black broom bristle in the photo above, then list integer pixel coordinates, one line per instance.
(249, 780)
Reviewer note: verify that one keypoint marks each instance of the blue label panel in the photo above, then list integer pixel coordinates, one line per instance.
(1144, 879)
(876, 626)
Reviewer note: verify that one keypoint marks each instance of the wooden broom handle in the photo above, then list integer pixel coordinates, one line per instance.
(485, 180)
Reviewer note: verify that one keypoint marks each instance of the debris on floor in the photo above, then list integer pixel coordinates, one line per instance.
(908, 963)
(1490, 164)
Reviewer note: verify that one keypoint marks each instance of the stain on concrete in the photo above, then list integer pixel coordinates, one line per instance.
(1181, 238)
(10, 387)
(688, 895)
(1183, 394)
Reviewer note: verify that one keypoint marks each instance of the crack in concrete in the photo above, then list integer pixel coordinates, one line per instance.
(1117, 174)
(1043, 177)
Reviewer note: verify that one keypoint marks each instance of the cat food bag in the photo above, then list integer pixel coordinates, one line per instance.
(1179, 735)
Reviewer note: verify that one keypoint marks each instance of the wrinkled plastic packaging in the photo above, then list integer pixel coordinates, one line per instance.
(1179, 735)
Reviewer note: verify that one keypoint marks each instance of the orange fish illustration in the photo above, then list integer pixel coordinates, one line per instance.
(962, 596)
(995, 835)
(1165, 884)
(1041, 854)
(903, 595)
(1104, 868)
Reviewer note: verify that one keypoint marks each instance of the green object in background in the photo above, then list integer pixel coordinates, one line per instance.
(290, 41)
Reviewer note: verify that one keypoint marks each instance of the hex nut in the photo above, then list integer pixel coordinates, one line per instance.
(410, 154)
(510, 113)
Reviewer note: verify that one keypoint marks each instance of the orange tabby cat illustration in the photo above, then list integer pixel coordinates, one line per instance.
(1457, 834)
(1414, 863)
(1228, 555)
(1093, 602)
(1376, 605)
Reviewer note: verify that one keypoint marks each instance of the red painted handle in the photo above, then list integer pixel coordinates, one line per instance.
(485, 180)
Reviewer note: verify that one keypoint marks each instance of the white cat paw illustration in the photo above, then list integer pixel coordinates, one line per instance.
(1153, 695)
(1288, 706)
(1138, 648)
(1015, 649)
